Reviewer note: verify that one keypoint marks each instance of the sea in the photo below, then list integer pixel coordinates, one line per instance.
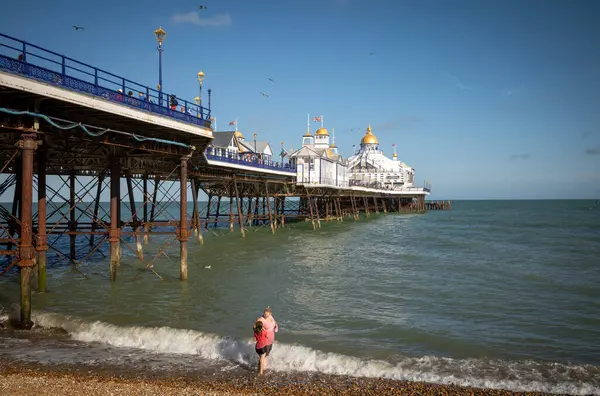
(493, 294)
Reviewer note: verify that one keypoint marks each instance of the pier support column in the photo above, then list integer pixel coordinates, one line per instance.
(183, 225)
(282, 212)
(154, 199)
(239, 208)
(146, 203)
(134, 218)
(196, 214)
(383, 204)
(95, 219)
(42, 238)
(366, 203)
(216, 224)
(376, 205)
(72, 214)
(27, 144)
(269, 208)
(115, 201)
(230, 211)
(207, 210)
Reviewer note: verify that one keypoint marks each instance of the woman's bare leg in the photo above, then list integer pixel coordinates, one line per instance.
(261, 363)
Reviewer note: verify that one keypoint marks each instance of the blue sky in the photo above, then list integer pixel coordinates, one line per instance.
(486, 99)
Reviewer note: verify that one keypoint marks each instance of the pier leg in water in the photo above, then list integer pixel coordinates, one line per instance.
(134, 218)
(239, 208)
(269, 208)
(72, 213)
(376, 206)
(384, 208)
(196, 215)
(311, 210)
(282, 212)
(42, 238)
(207, 210)
(216, 224)
(183, 229)
(146, 203)
(154, 199)
(28, 144)
(230, 211)
(114, 235)
(96, 208)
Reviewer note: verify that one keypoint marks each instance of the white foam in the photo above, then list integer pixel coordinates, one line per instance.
(496, 374)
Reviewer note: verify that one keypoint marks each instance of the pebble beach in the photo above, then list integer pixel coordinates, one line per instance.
(18, 379)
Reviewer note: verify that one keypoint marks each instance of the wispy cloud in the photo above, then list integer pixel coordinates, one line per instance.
(519, 157)
(401, 122)
(593, 151)
(456, 81)
(195, 19)
(511, 92)
(586, 134)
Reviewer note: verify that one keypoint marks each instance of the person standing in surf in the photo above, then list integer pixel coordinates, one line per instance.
(271, 327)
(260, 335)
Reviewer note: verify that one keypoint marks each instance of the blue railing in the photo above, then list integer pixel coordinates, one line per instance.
(20, 57)
(212, 154)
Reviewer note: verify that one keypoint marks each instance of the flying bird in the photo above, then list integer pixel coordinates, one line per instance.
(264, 94)
(270, 79)
(78, 27)
(203, 7)
(371, 53)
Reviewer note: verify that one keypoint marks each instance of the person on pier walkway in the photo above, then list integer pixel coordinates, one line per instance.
(270, 326)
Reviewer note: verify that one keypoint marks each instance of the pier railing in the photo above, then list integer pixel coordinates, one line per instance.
(20, 57)
(212, 154)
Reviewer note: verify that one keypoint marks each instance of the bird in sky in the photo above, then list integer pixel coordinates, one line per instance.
(264, 94)
(78, 27)
(270, 79)
(203, 7)
(354, 129)
(371, 53)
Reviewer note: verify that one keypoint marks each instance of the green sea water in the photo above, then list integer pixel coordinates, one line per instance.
(498, 294)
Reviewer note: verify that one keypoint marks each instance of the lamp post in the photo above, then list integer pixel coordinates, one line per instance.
(197, 100)
(160, 35)
(200, 79)
(209, 93)
(255, 153)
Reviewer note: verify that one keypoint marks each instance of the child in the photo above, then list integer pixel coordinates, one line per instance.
(261, 337)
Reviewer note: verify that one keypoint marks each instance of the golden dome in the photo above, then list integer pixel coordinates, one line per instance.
(307, 134)
(369, 138)
(239, 135)
(332, 145)
(322, 132)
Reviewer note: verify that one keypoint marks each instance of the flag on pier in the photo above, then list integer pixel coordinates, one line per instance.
(317, 119)
(233, 122)
(283, 153)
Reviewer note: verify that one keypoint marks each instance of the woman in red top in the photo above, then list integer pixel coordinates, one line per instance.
(262, 345)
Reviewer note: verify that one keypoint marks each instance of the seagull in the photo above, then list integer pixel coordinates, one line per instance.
(270, 79)
(371, 53)
(207, 266)
(203, 7)
(78, 27)
(264, 94)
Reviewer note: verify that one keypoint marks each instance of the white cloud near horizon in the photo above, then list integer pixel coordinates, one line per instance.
(194, 18)
(456, 81)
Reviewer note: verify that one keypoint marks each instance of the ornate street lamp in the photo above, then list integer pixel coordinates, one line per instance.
(197, 100)
(255, 153)
(160, 35)
(200, 79)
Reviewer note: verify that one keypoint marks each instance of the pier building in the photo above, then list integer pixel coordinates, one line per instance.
(370, 166)
(93, 131)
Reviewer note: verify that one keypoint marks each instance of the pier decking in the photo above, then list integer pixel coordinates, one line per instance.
(91, 130)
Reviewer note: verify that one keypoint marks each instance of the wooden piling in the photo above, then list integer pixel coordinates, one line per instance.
(183, 225)
(114, 235)
(42, 238)
(239, 207)
(269, 208)
(28, 144)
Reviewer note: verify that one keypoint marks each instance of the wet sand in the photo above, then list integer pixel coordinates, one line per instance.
(33, 379)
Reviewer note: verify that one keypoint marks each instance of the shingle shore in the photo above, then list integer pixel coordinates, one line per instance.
(21, 379)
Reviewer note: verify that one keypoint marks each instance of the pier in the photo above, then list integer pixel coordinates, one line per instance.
(96, 132)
